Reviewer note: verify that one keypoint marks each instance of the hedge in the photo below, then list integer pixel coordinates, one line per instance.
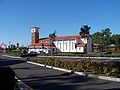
(88, 66)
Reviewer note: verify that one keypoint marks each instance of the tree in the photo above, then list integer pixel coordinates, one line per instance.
(52, 38)
(52, 35)
(17, 45)
(115, 39)
(84, 30)
(12, 47)
(106, 34)
(103, 37)
(97, 37)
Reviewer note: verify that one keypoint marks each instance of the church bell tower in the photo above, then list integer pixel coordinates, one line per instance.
(35, 34)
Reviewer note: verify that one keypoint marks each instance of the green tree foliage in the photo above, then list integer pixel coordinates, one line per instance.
(52, 35)
(106, 34)
(84, 30)
(97, 37)
(115, 39)
(12, 47)
(106, 38)
(52, 38)
(103, 37)
(17, 45)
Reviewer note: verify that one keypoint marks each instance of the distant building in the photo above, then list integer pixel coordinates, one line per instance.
(112, 48)
(74, 43)
(3, 47)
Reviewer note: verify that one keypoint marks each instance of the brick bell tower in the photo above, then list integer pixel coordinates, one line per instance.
(35, 34)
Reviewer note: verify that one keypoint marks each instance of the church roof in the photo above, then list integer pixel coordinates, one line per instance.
(61, 38)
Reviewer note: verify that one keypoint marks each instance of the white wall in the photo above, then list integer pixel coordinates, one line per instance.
(68, 46)
(38, 50)
(84, 40)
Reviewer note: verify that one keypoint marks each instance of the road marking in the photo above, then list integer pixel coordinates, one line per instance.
(22, 85)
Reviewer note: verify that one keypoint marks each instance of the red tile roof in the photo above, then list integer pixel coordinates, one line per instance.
(81, 45)
(67, 37)
(43, 45)
(62, 38)
(41, 39)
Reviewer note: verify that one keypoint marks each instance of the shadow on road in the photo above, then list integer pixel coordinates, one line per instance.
(10, 62)
(65, 81)
(41, 78)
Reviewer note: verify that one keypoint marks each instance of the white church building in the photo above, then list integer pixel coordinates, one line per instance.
(57, 44)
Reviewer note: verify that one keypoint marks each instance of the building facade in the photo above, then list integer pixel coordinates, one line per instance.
(74, 43)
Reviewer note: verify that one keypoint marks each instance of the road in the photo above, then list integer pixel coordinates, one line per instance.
(41, 78)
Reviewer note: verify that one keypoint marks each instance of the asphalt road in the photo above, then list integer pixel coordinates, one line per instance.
(41, 78)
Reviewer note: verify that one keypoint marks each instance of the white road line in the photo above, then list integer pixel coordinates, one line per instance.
(23, 86)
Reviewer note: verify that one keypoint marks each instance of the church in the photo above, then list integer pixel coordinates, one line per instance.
(57, 44)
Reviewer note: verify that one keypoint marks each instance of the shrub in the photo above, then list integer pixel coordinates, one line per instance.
(79, 67)
(89, 66)
(57, 63)
(114, 72)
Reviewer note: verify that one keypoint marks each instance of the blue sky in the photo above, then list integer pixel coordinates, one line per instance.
(65, 16)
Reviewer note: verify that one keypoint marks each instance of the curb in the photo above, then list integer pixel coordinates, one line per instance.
(36, 63)
(61, 69)
(79, 73)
